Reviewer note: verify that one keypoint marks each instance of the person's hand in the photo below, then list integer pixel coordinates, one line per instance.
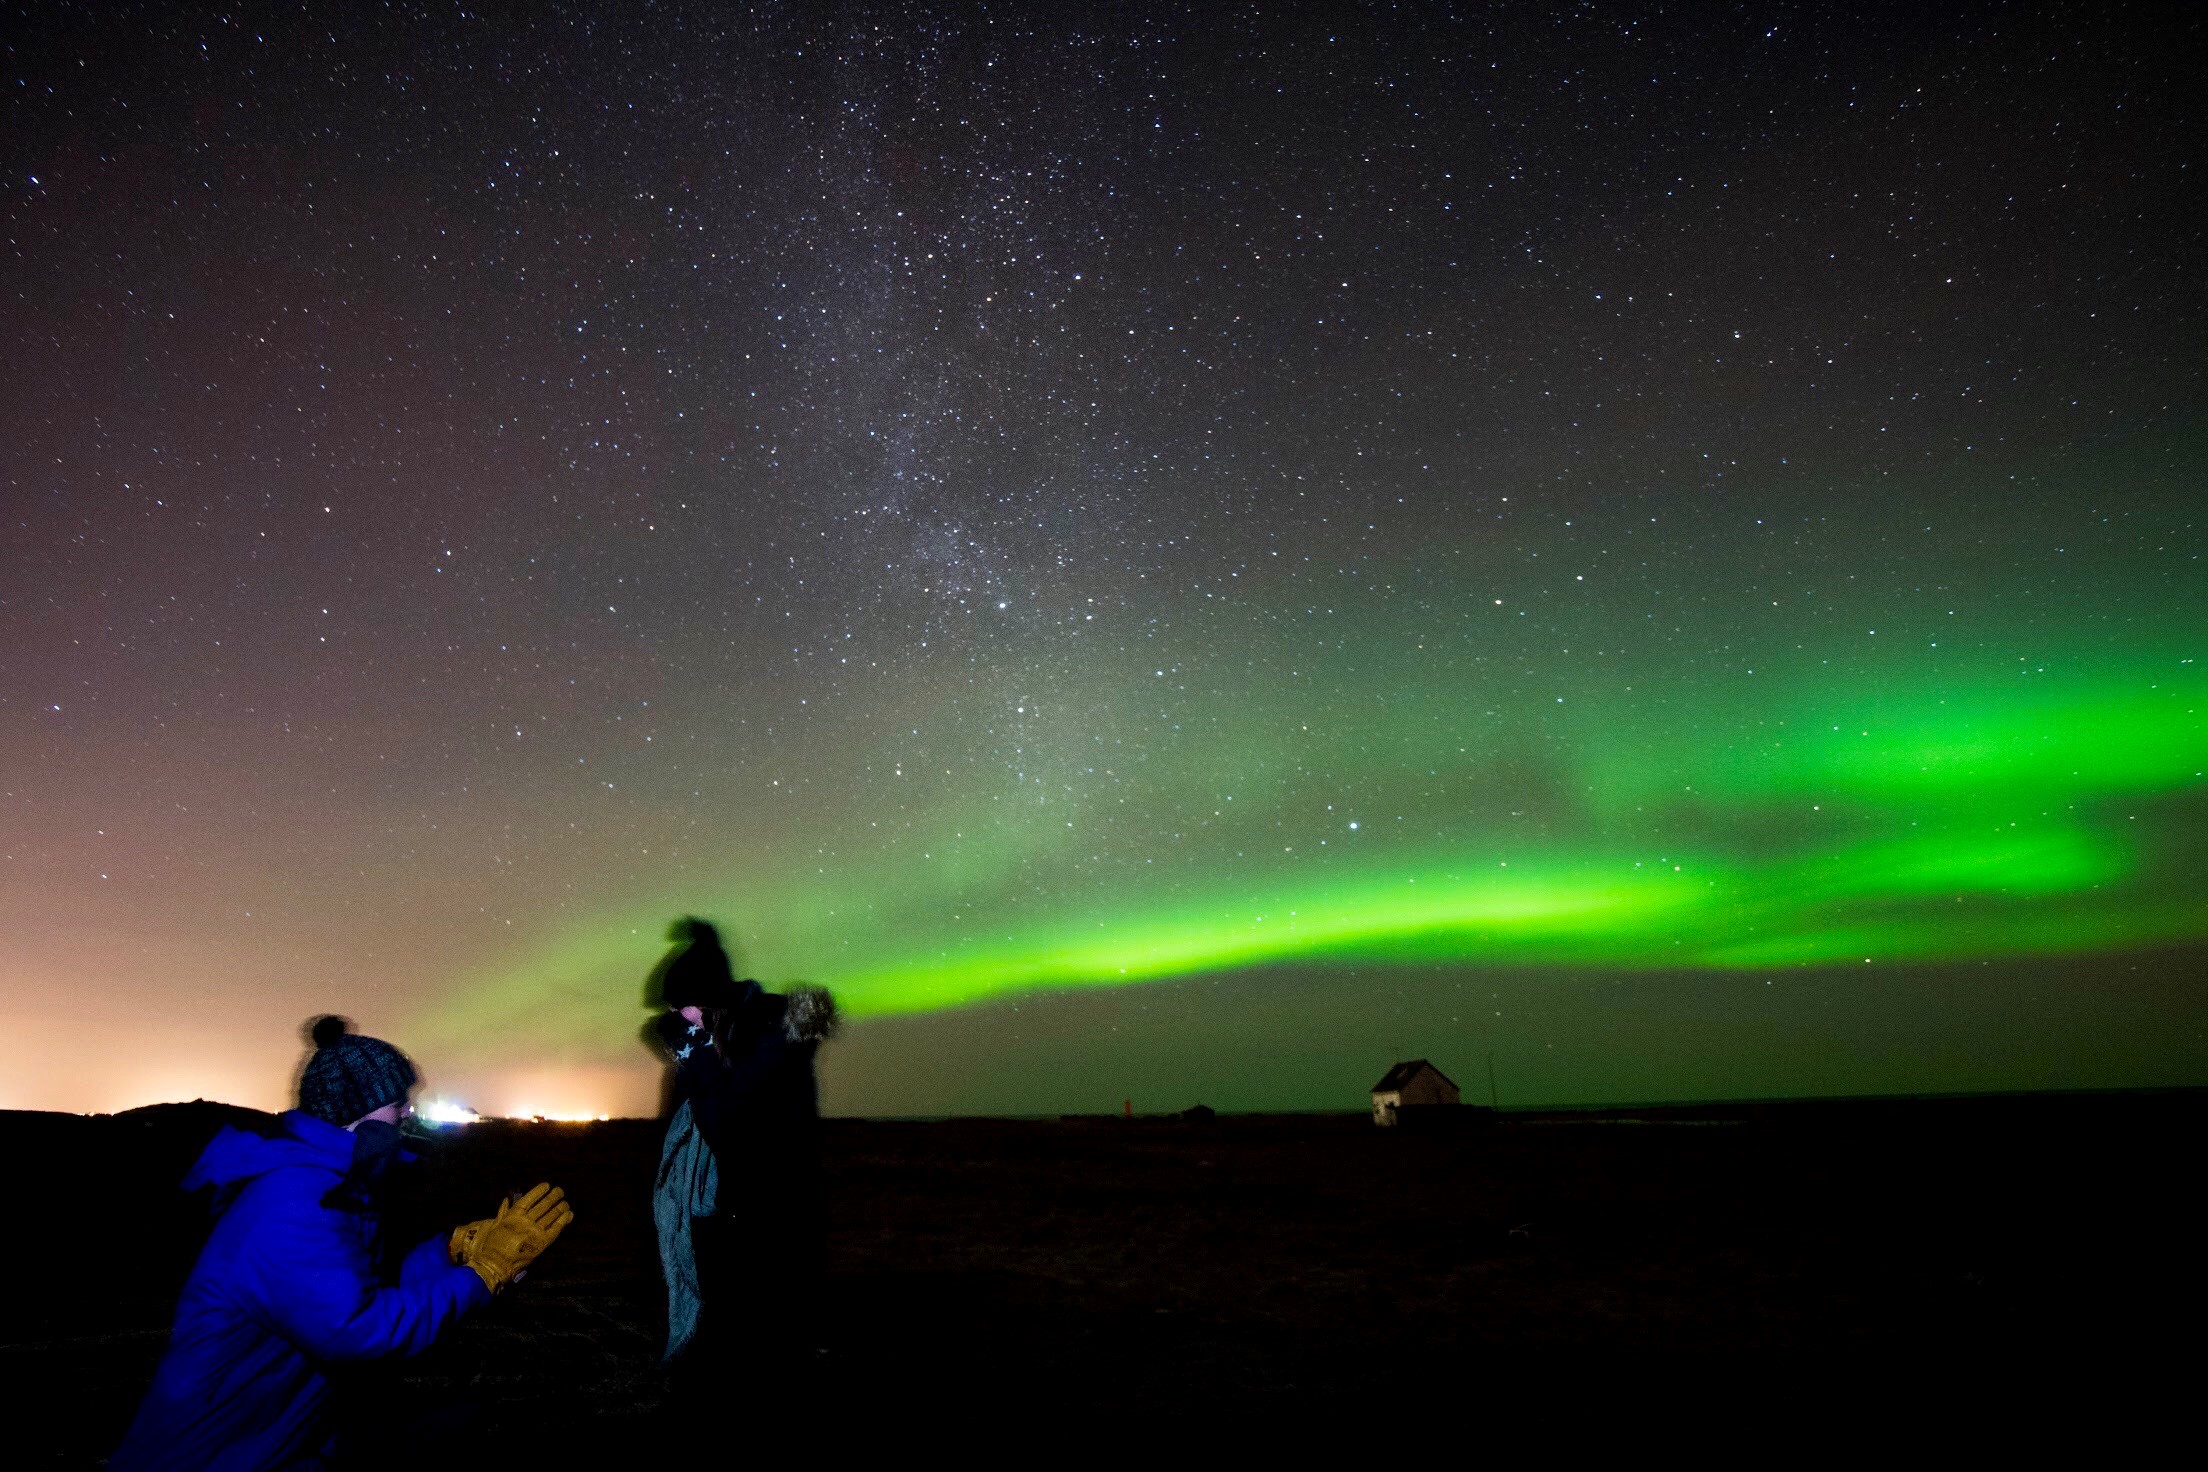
(503, 1251)
(676, 1035)
(463, 1239)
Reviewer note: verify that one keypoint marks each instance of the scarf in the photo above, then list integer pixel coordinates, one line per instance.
(689, 1186)
(377, 1147)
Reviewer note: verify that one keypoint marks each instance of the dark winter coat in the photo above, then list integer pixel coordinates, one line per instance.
(737, 1203)
(757, 1106)
(285, 1289)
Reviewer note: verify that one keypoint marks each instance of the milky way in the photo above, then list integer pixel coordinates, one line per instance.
(1176, 548)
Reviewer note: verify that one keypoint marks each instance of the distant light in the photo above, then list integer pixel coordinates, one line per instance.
(437, 1111)
(557, 1117)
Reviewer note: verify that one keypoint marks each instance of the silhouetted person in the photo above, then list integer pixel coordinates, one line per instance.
(288, 1289)
(738, 1200)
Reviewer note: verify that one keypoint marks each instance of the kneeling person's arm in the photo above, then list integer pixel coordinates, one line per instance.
(319, 1289)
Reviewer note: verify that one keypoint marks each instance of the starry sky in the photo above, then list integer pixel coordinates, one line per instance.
(1166, 552)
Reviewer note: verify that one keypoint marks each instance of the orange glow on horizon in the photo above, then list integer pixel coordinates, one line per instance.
(579, 1094)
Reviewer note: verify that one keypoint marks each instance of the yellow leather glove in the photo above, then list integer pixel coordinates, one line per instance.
(503, 1250)
(462, 1241)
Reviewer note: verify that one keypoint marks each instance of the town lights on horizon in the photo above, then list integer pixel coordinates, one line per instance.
(437, 1111)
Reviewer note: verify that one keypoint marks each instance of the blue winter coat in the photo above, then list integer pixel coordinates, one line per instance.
(285, 1289)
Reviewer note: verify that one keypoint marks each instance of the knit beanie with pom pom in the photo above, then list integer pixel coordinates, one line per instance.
(696, 972)
(350, 1076)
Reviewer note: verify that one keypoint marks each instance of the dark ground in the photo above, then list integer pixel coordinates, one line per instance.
(1832, 1270)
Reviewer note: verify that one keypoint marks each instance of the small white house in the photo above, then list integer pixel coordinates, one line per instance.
(1412, 1085)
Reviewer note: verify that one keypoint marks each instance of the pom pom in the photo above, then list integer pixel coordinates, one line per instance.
(693, 931)
(326, 1030)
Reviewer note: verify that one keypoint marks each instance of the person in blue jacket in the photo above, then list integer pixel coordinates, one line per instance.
(287, 1288)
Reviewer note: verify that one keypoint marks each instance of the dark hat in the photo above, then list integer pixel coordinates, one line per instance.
(350, 1077)
(696, 972)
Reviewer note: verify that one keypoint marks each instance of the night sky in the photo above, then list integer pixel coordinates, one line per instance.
(1165, 552)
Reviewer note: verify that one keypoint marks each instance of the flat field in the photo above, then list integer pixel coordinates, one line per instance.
(1781, 1265)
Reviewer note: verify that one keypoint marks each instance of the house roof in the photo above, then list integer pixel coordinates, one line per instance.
(1396, 1077)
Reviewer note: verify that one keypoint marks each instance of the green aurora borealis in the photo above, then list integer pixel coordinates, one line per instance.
(1928, 808)
(1163, 552)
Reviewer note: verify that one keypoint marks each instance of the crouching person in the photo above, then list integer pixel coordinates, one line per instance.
(288, 1289)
